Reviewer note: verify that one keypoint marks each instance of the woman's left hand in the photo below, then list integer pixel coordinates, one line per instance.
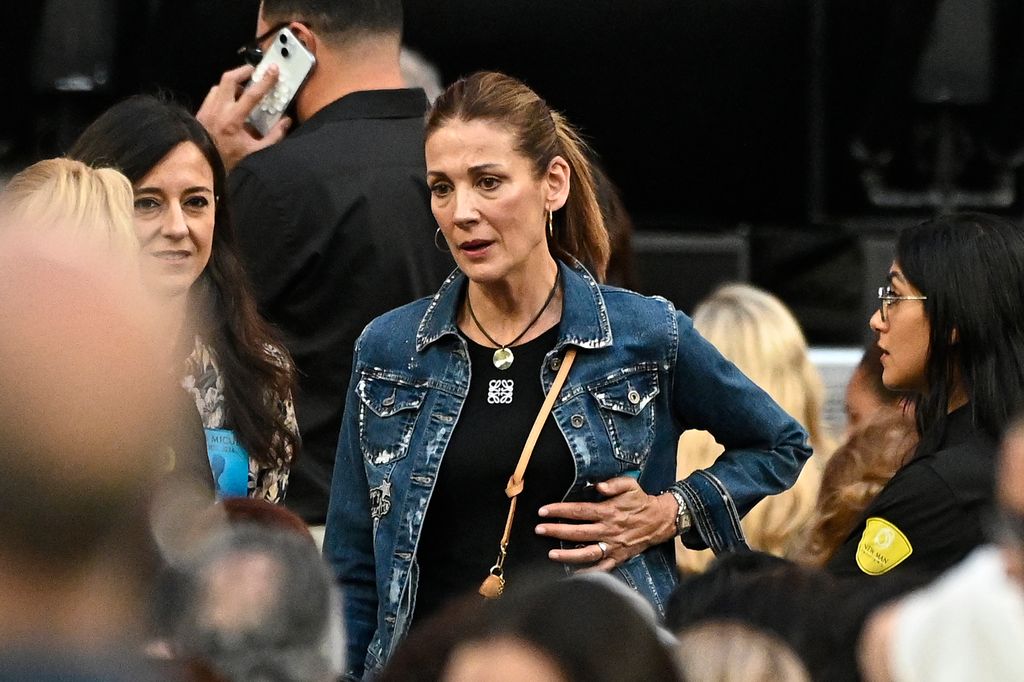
(620, 527)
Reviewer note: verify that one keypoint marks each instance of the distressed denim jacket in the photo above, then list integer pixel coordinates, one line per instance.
(642, 376)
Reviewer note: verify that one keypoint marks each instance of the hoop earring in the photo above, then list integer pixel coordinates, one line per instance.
(551, 225)
(438, 245)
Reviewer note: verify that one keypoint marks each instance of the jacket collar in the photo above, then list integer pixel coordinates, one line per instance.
(584, 316)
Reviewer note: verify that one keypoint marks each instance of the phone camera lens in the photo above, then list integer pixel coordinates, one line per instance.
(284, 52)
(284, 38)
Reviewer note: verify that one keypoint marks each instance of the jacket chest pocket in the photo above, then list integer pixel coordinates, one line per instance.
(626, 406)
(388, 411)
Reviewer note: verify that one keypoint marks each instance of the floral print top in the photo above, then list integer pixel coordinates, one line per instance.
(205, 383)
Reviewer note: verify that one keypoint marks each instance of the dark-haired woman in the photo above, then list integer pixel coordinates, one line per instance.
(444, 393)
(226, 355)
(951, 330)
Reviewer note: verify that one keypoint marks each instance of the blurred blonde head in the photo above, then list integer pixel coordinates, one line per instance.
(726, 651)
(758, 333)
(94, 204)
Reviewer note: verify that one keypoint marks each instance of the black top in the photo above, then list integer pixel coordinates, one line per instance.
(335, 228)
(468, 507)
(932, 513)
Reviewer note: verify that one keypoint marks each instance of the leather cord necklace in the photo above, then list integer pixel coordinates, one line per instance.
(503, 357)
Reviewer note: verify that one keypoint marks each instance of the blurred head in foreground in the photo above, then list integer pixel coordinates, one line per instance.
(732, 651)
(66, 197)
(80, 423)
(568, 630)
(258, 604)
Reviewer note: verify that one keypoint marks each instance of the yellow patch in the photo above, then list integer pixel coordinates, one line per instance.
(882, 547)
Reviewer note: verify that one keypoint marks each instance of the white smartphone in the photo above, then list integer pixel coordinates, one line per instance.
(294, 63)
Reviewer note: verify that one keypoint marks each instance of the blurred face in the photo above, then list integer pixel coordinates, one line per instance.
(903, 336)
(504, 659)
(1010, 494)
(861, 401)
(487, 202)
(174, 217)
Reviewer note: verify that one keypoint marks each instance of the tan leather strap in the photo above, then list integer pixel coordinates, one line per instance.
(494, 584)
(515, 483)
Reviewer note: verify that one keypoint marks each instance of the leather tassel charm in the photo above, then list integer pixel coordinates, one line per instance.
(492, 587)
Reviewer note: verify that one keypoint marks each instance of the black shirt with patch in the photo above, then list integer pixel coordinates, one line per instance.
(938, 500)
(468, 507)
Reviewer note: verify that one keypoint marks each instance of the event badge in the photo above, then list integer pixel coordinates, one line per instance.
(229, 462)
(882, 547)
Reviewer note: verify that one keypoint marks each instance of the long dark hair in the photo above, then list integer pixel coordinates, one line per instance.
(595, 628)
(133, 136)
(541, 135)
(971, 268)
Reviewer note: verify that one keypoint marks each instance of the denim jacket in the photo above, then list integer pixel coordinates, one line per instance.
(642, 376)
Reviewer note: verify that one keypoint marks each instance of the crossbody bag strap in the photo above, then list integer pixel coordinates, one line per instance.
(515, 483)
(494, 584)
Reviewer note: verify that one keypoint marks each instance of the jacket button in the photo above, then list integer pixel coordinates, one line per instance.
(634, 397)
(577, 421)
(556, 362)
(445, 418)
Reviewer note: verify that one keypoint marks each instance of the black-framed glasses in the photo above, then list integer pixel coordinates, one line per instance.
(886, 298)
(252, 51)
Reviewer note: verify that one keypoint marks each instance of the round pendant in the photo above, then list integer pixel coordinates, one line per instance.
(503, 358)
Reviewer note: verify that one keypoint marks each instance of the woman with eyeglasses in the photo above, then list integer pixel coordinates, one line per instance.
(224, 354)
(951, 330)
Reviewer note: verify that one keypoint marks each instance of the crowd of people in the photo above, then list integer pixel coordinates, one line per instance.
(355, 400)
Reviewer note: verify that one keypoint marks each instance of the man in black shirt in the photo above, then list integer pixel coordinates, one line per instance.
(334, 221)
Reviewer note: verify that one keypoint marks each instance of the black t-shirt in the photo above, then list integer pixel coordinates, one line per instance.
(931, 514)
(468, 508)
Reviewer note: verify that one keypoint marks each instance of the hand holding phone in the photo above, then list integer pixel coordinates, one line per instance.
(294, 63)
(226, 107)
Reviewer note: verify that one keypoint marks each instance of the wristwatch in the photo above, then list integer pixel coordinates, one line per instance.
(683, 520)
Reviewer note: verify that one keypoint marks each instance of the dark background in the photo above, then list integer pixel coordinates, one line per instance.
(726, 124)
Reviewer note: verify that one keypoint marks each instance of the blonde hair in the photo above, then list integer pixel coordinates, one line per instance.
(92, 203)
(726, 651)
(759, 334)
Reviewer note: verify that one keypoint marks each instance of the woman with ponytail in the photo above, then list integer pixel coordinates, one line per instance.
(445, 392)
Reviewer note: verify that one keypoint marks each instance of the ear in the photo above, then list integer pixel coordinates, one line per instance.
(305, 36)
(954, 337)
(557, 179)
